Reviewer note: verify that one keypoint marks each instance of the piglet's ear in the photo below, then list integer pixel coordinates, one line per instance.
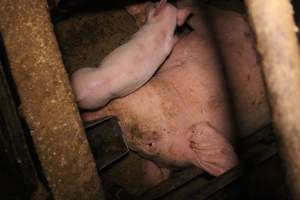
(139, 12)
(182, 15)
(210, 150)
(161, 5)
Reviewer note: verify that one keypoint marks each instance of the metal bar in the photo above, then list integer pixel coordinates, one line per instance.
(203, 187)
(47, 101)
(277, 43)
(177, 180)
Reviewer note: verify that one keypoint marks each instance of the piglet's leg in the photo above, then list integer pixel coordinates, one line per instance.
(211, 151)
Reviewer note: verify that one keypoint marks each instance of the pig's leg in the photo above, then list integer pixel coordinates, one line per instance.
(155, 174)
(210, 150)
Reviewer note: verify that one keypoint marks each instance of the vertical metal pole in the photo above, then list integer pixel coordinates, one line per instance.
(275, 29)
(47, 100)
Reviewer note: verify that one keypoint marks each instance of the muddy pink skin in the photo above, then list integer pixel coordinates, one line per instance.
(131, 65)
(181, 117)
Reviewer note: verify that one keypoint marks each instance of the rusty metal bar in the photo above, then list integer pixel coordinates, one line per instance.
(275, 29)
(47, 100)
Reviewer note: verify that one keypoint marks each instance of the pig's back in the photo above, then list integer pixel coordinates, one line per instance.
(155, 108)
(188, 89)
(193, 71)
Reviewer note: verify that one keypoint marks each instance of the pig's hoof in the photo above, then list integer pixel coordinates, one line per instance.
(211, 151)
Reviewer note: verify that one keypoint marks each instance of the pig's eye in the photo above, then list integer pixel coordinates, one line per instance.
(150, 147)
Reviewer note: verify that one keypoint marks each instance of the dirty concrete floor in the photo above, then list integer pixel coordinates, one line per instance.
(86, 38)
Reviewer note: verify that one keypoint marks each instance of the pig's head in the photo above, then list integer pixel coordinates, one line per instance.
(201, 145)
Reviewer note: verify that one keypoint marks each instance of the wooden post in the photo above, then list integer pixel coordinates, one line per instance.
(275, 29)
(47, 101)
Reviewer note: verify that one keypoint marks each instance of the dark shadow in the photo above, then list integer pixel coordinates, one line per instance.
(218, 48)
(34, 167)
(68, 8)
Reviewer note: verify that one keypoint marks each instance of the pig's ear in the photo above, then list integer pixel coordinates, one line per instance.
(182, 15)
(133, 9)
(210, 150)
(141, 11)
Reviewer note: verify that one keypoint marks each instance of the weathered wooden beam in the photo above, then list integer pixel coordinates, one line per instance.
(14, 144)
(47, 100)
(277, 43)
